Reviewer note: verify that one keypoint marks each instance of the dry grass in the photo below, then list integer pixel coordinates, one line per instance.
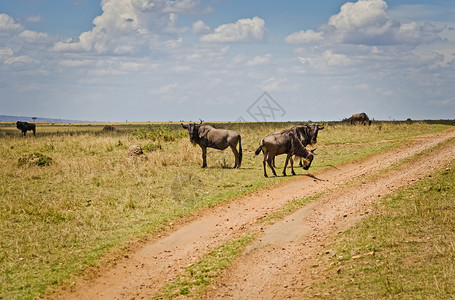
(60, 218)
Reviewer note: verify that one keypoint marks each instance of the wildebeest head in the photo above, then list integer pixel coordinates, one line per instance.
(193, 130)
(309, 159)
(314, 132)
(308, 134)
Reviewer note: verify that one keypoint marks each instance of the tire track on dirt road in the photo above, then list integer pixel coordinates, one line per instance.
(144, 271)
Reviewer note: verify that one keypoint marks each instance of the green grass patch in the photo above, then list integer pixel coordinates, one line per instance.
(406, 251)
(197, 277)
(59, 219)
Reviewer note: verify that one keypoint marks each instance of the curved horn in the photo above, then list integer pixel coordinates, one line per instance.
(201, 121)
(184, 126)
(312, 151)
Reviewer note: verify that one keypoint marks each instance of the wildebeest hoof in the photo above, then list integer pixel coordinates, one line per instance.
(204, 166)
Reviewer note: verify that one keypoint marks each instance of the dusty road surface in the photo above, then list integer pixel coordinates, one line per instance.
(279, 264)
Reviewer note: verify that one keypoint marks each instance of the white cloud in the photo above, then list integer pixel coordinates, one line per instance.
(334, 59)
(244, 31)
(5, 52)
(23, 59)
(277, 84)
(180, 69)
(302, 37)
(131, 26)
(173, 43)
(8, 26)
(71, 63)
(166, 89)
(368, 15)
(416, 33)
(367, 22)
(206, 54)
(327, 59)
(199, 27)
(259, 60)
(21, 46)
(34, 37)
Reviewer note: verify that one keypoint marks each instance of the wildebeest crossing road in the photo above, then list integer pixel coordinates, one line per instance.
(276, 264)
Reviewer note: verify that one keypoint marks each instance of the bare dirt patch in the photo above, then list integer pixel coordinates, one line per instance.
(281, 263)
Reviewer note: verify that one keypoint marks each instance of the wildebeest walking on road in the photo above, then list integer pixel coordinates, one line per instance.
(286, 142)
(307, 134)
(25, 126)
(208, 137)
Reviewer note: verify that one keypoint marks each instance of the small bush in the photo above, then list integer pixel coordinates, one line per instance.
(36, 159)
(161, 133)
(152, 147)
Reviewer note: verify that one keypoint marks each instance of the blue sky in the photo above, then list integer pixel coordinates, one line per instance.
(160, 60)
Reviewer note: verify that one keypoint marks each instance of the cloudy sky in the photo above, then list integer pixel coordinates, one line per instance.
(161, 60)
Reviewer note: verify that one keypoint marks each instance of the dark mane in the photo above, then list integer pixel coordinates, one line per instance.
(299, 148)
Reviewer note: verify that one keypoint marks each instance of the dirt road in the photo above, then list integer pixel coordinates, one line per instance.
(279, 264)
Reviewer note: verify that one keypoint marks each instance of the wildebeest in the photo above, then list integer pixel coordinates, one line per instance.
(208, 137)
(362, 118)
(108, 128)
(25, 126)
(286, 142)
(307, 134)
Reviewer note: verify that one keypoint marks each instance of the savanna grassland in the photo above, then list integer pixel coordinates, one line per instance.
(70, 194)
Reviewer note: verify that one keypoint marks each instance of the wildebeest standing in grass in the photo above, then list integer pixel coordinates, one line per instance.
(25, 126)
(362, 118)
(286, 142)
(208, 137)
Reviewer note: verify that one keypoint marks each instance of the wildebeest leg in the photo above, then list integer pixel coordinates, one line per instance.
(300, 162)
(236, 155)
(263, 162)
(269, 162)
(292, 165)
(204, 157)
(286, 164)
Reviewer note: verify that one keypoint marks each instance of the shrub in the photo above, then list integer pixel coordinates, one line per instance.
(36, 159)
(152, 147)
(160, 133)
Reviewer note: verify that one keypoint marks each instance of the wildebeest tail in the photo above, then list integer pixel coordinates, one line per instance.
(259, 149)
(240, 150)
